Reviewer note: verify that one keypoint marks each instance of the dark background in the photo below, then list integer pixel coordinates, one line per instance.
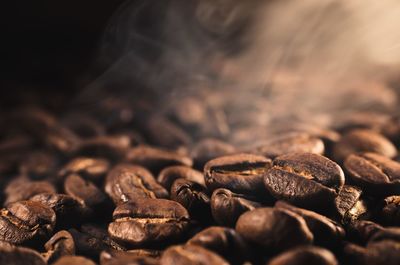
(49, 45)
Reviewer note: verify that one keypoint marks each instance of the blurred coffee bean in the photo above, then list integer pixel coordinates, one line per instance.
(74, 260)
(208, 149)
(242, 173)
(304, 179)
(61, 244)
(93, 169)
(126, 258)
(190, 254)
(274, 229)
(145, 222)
(383, 252)
(305, 256)
(361, 120)
(357, 141)
(156, 159)
(375, 173)
(391, 210)
(38, 165)
(26, 222)
(12, 255)
(107, 146)
(226, 206)
(127, 182)
(83, 125)
(391, 129)
(194, 197)
(168, 175)
(16, 142)
(348, 204)
(290, 143)
(224, 241)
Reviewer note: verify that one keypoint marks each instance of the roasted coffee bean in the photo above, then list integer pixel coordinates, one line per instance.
(362, 231)
(357, 141)
(208, 149)
(74, 260)
(226, 206)
(93, 169)
(83, 125)
(348, 204)
(242, 173)
(375, 173)
(304, 179)
(168, 175)
(126, 258)
(274, 229)
(25, 222)
(224, 241)
(361, 120)
(145, 222)
(156, 159)
(38, 165)
(108, 146)
(190, 254)
(193, 197)
(100, 232)
(69, 211)
(305, 256)
(61, 244)
(383, 252)
(326, 231)
(391, 210)
(62, 140)
(22, 188)
(12, 255)
(391, 129)
(291, 143)
(127, 182)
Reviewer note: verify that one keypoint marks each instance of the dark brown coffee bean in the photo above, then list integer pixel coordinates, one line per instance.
(38, 165)
(357, 141)
(146, 222)
(62, 140)
(190, 254)
(223, 241)
(391, 210)
(226, 206)
(208, 149)
(274, 229)
(108, 146)
(305, 256)
(168, 175)
(193, 197)
(242, 173)
(12, 255)
(74, 260)
(61, 244)
(326, 231)
(291, 143)
(391, 129)
(375, 173)
(126, 258)
(25, 222)
(156, 159)
(93, 169)
(127, 182)
(362, 231)
(361, 120)
(22, 188)
(83, 125)
(348, 204)
(16, 142)
(383, 252)
(304, 179)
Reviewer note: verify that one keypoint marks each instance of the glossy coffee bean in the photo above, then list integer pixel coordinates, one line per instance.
(305, 256)
(348, 204)
(375, 173)
(168, 175)
(194, 197)
(93, 169)
(73, 260)
(127, 182)
(274, 229)
(190, 254)
(208, 149)
(242, 173)
(25, 222)
(357, 141)
(304, 179)
(391, 210)
(226, 206)
(12, 255)
(145, 222)
(61, 244)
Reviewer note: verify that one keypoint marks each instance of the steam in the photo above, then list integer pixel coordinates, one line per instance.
(307, 56)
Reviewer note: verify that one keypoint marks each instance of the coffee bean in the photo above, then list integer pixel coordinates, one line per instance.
(123, 258)
(145, 222)
(382, 252)
(226, 206)
(224, 241)
(61, 244)
(357, 141)
(348, 204)
(85, 126)
(156, 159)
(242, 173)
(93, 169)
(391, 129)
(169, 174)
(190, 254)
(305, 255)
(274, 229)
(291, 143)
(391, 210)
(12, 255)
(193, 197)
(25, 222)
(375, 173)
(38, 165)
(208, 149)
(73, 260)
(304, 179)
(126, 182)
(108, 146)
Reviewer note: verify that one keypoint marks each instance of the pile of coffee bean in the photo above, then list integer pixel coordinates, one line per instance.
(124, 182)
